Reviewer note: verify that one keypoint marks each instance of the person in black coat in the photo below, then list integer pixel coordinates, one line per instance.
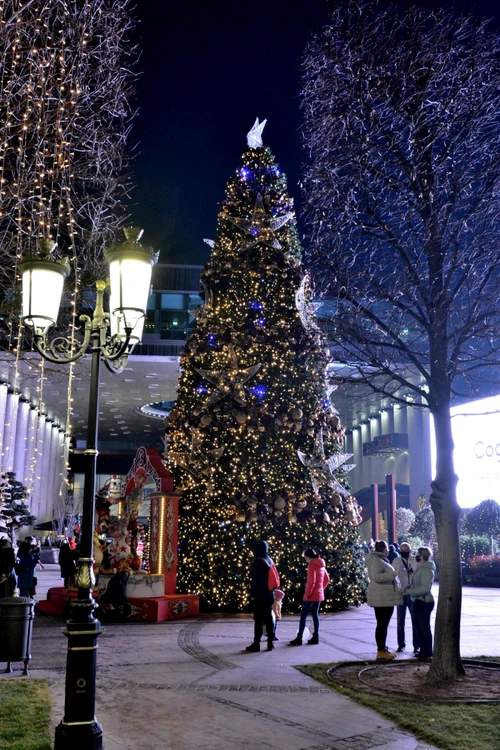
(67, 564)
(262, 598)
(7, 564)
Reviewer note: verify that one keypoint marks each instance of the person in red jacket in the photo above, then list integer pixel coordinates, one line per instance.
(317, 581)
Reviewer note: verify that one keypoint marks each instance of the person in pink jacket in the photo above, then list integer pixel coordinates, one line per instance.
(317, 581)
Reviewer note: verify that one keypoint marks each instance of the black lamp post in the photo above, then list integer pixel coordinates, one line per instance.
(110, 337)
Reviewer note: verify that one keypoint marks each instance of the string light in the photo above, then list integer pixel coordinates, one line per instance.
(61, 150)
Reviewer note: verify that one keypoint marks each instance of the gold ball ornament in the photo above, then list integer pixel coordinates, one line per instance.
(336, 499)
(297, 414)
(240, 517)
(206, 420)
(280, 503)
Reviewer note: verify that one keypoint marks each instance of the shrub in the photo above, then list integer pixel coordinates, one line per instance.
(485, 565)
(472, 546)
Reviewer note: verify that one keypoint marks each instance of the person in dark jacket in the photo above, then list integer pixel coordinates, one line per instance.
(262, 597)
(113, 604)
(28, 560)
(7, 564)
(393, 553)
(67, 565)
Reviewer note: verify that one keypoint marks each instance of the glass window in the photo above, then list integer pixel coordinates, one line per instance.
(173, 301)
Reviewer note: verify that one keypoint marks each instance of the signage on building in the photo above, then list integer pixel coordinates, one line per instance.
(476, 456)
(385, 444)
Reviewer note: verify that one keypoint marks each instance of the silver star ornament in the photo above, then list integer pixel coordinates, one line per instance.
(261, 227)
(321, 468)
(230, 381)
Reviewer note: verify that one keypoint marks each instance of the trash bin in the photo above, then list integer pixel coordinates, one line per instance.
(16, 627)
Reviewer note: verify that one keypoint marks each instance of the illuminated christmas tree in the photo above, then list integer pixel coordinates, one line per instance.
(253, 440)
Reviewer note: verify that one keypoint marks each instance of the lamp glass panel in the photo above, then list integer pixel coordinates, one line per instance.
(42, 291)
(117, 326)
(130, 280)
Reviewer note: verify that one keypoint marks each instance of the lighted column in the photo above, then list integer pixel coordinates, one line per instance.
(37, 484)
(21, 439)
(9, 432)
(57, 469)
(45, 473)
(30, 459)
(367, 461)
(52, 466)
(356, 475)
(400, 423)
(3, 405)
(386, 421)
(163, 534)
(60, 469)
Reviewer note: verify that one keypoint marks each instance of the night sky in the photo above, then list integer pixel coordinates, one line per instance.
(207, 69)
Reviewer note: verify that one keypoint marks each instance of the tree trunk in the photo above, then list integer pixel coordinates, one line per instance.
(446, 662)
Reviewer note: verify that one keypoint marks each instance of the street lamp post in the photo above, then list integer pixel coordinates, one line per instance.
(109, 337)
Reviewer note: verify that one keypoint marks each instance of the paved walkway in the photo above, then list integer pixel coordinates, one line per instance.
(190, 684)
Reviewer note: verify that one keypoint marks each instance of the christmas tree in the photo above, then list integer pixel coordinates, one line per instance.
(253, 441)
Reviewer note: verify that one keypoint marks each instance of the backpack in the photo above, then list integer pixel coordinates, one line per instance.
(273, 579)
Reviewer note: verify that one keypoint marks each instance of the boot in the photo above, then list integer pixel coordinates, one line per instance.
(385, 654)
(270, 646)
(314, 640)
(296, 641)
(253, 647)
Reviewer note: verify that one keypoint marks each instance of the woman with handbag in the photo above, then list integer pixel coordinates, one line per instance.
(384, 594)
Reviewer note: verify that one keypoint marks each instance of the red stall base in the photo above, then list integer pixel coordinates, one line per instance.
(156, 609)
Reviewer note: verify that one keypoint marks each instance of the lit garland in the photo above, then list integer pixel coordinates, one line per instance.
(65, 76)
(253, 388)
(65, 89)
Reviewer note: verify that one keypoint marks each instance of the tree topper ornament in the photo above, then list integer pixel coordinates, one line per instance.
(229, 382)
(254, 136)
(321, 469)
